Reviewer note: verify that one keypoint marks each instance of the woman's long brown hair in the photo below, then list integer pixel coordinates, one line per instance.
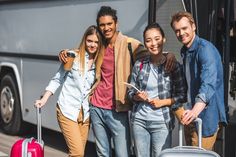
(82, 47)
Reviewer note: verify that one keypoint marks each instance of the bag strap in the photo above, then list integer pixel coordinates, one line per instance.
(141, 65)
(131, 54)
(130, 50)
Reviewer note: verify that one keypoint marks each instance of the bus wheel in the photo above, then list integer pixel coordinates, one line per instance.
(10, 111)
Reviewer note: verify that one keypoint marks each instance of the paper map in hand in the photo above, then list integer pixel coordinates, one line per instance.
(131, 86)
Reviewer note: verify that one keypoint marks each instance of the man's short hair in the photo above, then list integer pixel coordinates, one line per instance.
(106, 11)
(179, 15)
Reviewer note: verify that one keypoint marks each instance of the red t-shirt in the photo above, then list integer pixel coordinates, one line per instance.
(103, 95)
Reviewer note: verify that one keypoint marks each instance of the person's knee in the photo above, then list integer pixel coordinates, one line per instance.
(76, 153)
(208, 143)
(76, 148)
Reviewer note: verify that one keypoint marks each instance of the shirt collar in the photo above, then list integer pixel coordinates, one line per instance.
(194, 44)
(86, 54)
(148, 60)
(192, 48)
(87, 58)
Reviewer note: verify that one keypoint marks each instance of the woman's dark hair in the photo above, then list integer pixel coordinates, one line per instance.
(153, 26)
(106, 11)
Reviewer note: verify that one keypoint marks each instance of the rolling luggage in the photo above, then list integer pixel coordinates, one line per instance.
(30, 147)
(189, 151)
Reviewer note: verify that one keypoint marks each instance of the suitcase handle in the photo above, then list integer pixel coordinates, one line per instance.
(25, 142)
(199, 122)
(39, 125)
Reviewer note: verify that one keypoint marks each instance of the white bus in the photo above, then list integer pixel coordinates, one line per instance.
(32, 32)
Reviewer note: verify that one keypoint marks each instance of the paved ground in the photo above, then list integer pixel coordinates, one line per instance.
(54, 144)
(3, 154)
(59, 149)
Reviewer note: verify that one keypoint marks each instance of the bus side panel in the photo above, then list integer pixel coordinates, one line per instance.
(45, 28)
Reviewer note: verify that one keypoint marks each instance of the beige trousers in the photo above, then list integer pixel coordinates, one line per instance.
(75, 133)
(191, 137)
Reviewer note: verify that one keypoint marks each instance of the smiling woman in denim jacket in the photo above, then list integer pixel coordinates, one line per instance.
(152, 119)
(72, 104)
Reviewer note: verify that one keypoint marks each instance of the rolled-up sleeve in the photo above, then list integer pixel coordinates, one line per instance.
(57, 80)
(208, 76)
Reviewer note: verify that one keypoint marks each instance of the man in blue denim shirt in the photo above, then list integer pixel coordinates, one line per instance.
(204, 76)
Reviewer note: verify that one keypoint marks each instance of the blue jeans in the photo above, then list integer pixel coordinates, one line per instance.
(150, 137)
(107, 124)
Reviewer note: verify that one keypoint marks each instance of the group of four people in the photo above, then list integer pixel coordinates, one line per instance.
(93, 89)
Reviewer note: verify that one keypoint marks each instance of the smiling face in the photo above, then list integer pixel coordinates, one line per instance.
(184, 31)
(107, 26)
(154, 41)
(91, 43)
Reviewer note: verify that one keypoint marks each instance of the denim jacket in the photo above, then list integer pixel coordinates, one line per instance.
(204, 74)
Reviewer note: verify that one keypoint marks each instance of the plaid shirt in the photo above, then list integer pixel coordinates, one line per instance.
(170, 85)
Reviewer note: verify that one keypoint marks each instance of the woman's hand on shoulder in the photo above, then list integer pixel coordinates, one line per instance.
(170, 61)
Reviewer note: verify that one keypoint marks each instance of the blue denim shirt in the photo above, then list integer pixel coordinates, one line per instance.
(75, 88)
(170, 85)
(204, 75)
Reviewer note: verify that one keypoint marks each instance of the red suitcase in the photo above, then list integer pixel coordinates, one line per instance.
(30, 147)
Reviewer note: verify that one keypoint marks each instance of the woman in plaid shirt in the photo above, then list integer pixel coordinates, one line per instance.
(160, 90)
